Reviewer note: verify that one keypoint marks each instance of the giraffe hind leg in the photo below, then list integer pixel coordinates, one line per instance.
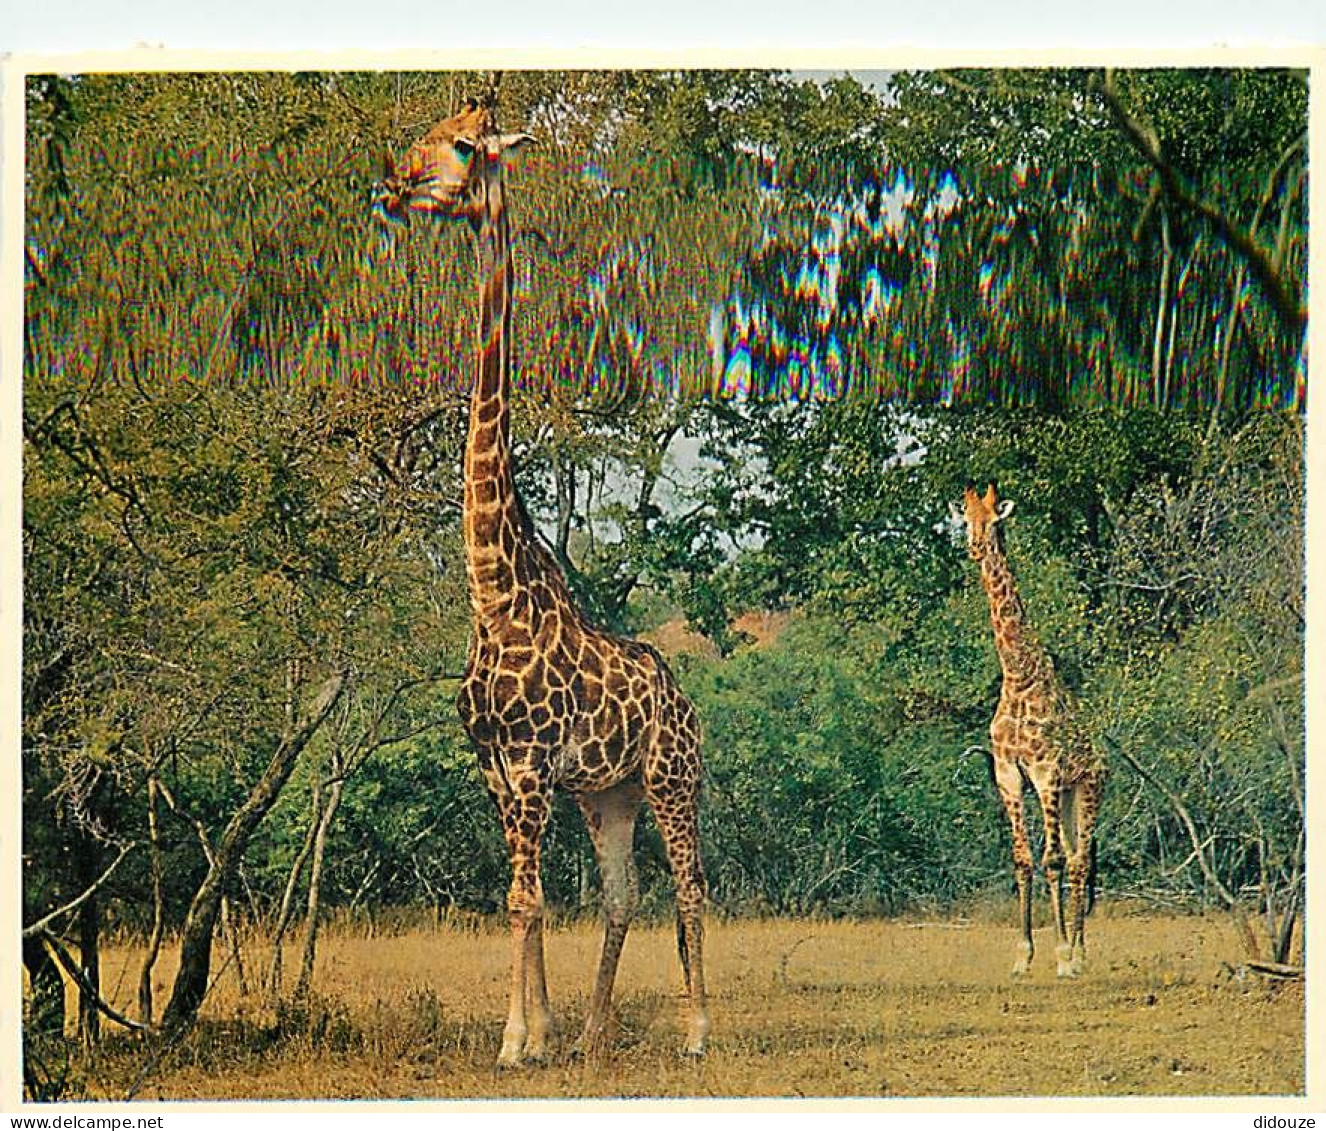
(1070, 948)
(682, 953)
(676, 811)
(1081, 860)
(610, 818)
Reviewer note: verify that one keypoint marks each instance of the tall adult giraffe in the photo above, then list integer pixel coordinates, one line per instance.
(1035, 737)
(548, 700)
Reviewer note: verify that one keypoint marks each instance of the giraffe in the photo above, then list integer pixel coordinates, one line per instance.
(1035, 737)
(548, 700)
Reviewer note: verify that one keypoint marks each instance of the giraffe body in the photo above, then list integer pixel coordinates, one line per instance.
(1036, 739)
(548, 700)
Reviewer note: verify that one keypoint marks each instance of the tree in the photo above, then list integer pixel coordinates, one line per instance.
(1207, 706)
(212, 562)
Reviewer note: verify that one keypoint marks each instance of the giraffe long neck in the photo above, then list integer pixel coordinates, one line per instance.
(494, 521)
(1020, 653)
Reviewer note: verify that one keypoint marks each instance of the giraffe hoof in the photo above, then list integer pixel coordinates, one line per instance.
(511, 1056)
(1064, 965)
(696, 1037)
(1022, 966)
(520, 1061)
(536, 1051)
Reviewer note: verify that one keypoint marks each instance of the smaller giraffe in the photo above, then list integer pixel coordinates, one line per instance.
(1035, 737)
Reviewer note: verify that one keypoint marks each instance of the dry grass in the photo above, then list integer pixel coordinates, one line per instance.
(883, 1008)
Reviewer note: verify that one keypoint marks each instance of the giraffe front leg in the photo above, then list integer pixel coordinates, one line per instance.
(1008, 779)
(515, 1030)
(1026, 949)
(1046, 783)
(524, 817)
(538, 1012)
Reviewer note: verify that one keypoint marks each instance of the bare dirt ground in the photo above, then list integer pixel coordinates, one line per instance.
(800, 1008)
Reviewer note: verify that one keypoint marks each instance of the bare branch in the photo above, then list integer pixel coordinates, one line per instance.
(70, 967)
(41, 926)
(1181, 811)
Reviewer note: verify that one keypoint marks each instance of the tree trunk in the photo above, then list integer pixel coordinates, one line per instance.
(158, 912)
(46, 1012)
(305, 982)
(1227, 347)
(191, 983)
(89, 952)
(283, 917)
(565, 474)
(1162, 310)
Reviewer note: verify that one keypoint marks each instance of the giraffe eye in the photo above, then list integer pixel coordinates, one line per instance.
(464, 147)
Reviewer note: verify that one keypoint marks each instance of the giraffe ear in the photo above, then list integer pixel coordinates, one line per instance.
(1004, 509)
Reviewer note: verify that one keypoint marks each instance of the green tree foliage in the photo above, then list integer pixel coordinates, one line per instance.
(1046, 238)
(209, 536)
(827, 774)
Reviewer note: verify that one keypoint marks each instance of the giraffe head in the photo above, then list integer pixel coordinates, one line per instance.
(983, 513)
(452, 171)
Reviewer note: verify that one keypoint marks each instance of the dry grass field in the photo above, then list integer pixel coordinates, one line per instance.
(800, 1008)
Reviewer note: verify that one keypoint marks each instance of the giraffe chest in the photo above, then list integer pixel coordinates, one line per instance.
(1024, 728)
(584, 713)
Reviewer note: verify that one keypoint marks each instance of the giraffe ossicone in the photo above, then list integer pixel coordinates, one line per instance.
(548, 700)
(1036, 737)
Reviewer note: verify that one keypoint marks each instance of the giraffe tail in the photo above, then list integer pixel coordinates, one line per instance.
(1091, 877)
(683, 951)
